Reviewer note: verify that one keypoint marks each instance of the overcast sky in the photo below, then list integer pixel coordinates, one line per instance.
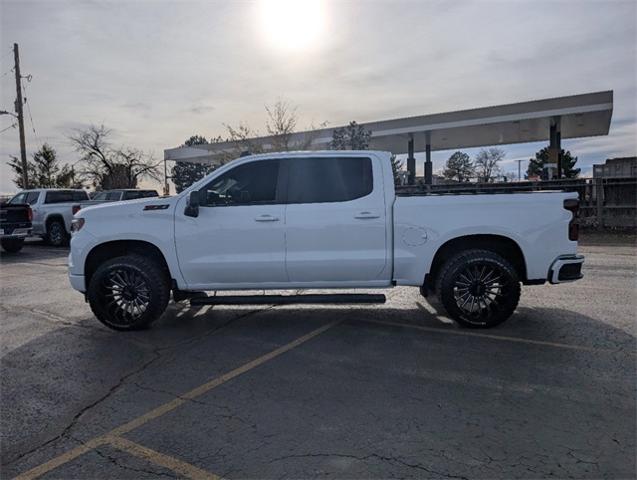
(157, 72)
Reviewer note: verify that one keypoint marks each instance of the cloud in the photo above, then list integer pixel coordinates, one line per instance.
(181, 71)
(200, 109)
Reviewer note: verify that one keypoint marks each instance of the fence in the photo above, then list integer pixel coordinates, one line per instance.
(605, 203)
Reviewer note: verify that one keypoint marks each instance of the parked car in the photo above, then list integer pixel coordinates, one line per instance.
(53, 210)
(320, 220)
(15, 225)
(118, 195)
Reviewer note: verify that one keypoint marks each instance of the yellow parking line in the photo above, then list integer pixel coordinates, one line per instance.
(167, 407)
(62, 459)
(200, 390)
(495, 337)
(166, 461)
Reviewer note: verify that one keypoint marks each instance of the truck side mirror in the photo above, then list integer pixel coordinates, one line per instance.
(192, 204)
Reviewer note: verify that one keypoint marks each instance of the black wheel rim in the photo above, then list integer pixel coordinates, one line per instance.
(126, 295)
(480, 291)
(56, 233)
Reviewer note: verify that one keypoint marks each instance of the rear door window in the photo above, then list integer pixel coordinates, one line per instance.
(59, 196)
(333, 179)
(80, 196)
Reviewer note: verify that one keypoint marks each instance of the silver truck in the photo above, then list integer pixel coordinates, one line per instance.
(53, 210)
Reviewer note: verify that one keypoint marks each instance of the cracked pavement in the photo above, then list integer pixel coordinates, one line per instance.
(392, 391)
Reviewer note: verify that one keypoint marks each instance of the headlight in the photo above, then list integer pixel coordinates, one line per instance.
(77, 224)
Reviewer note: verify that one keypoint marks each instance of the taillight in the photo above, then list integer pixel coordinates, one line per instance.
(572, 205)
(76, 208)
(29, 214)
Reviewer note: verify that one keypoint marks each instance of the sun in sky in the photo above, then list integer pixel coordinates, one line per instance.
(292, 25)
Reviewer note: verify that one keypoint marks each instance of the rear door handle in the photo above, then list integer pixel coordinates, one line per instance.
(266, 218)
(365, 215)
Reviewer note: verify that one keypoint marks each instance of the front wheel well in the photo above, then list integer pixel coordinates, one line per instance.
(504, 246)
(100, 253)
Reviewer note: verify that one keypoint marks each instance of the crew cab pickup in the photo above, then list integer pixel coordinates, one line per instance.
(53, 210)
(319, 220)
(15, 226)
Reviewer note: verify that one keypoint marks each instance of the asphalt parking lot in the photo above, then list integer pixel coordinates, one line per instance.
(392, 391)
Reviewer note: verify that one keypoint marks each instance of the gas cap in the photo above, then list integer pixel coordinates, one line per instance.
(414, 236)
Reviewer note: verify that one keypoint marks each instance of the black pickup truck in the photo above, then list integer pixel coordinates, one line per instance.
(15, 225)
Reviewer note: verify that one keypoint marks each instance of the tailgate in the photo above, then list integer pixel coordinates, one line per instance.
(14, 215)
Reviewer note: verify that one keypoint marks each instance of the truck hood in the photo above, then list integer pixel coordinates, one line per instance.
(128, 207)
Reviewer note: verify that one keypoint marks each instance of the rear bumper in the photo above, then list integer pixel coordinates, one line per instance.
(9, 231)
(566, 268)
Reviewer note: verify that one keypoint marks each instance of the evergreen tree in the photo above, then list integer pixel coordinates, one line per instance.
(45, 171)
(536, 165)
(352, 137)
(185, 174)
(396, 168)
(459, 167)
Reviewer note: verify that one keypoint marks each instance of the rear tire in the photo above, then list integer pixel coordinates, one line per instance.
(12, 245)
(478, 288)
(56, 235)
(128, 292)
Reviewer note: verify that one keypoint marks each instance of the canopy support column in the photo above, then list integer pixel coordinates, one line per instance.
(411, 161)
(428, 165)
(555, 144)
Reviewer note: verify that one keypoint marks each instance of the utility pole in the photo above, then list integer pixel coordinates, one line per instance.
(519, 170)
(18, 109)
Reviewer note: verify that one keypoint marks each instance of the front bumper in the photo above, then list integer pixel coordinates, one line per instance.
(566, 268)
(77, 282)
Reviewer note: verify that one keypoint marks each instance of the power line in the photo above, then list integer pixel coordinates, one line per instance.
(7, 54)
(26, 101)
(10, 126)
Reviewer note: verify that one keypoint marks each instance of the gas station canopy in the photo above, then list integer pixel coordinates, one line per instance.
(550, 119)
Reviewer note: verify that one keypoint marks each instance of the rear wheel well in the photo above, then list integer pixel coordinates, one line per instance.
(55, 218)
(499, 244)
(108, 250)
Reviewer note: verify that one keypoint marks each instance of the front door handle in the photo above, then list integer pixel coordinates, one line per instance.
(266, 218)
(365, 215)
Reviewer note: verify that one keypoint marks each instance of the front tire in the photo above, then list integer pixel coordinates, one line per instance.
(128, 292)
(478, 288)
(12, 245)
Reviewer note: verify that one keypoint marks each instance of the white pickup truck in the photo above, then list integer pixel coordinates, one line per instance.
(53, 210)
(319, 220)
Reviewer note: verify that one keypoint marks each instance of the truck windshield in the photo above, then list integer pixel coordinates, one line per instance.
(19, 198)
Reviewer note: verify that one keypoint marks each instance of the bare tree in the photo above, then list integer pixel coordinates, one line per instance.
(486, 163)
(107, 167)
(281, 124)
